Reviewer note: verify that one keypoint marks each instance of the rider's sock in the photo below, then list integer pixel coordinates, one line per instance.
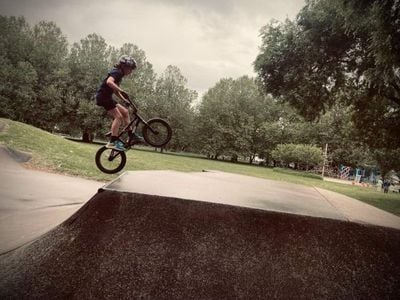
(130, 132)
(113, 139)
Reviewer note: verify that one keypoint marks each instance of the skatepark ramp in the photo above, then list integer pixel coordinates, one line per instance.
(134, 240)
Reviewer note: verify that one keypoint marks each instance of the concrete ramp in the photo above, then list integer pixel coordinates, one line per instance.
(131, 245)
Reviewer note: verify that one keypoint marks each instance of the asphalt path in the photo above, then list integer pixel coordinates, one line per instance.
(33, 202)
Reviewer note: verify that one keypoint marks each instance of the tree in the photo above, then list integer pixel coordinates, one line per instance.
(172, 101)
(17, 90)
(19, 77)
(387, 160)
(339, 51)
(232, 119)
(303, 156)
(88, 64)
(31, 62)
(49, 51)
(141, 84)
(15, 39)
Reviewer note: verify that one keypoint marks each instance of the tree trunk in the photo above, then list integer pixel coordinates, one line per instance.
(87, 137)
(234, 158)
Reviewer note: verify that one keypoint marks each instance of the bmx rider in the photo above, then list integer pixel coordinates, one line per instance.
(120, 114)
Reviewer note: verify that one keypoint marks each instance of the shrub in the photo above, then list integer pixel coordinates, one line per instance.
(305, 155)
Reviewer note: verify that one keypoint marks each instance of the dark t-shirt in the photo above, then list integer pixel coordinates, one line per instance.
(104, 91)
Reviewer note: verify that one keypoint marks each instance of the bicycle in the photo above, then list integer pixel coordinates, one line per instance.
(156, 132)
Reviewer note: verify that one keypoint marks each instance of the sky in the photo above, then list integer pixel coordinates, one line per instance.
(207, 39)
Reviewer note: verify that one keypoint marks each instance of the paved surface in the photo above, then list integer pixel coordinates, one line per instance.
(33, 202)
(239, 190)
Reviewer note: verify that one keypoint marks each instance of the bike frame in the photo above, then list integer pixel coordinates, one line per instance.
(148, 131)
(136, 118)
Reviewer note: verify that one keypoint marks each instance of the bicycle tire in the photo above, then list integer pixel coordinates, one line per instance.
(163, 132)
(102, 156)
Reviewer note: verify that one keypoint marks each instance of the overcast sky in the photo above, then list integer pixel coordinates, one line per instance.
(207, 39)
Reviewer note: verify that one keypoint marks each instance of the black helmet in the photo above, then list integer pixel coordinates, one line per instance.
(126, 60)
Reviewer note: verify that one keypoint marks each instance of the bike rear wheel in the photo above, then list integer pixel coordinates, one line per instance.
(157, 132)
(110, 161)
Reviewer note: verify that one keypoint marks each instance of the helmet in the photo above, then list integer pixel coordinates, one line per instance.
(127, 60)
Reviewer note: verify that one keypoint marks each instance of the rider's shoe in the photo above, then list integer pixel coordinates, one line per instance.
(135, 138)
(116, 145)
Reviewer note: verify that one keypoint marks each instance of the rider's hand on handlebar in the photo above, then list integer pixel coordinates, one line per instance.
(124, 95)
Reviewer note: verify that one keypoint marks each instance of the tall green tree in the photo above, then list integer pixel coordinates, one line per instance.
(172, 100)
(19, 77)
(17, 90)
(302, 156)
(232, 119)
(15, 39)
(88, 64)
(32, 71)
(338, 51)
(141, 84)
(48, 55)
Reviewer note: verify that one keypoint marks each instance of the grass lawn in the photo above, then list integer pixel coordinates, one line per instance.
(54, 153)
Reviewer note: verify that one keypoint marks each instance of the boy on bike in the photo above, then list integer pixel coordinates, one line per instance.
(104, 98)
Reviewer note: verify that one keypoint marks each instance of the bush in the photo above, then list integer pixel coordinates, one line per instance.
(306, 155)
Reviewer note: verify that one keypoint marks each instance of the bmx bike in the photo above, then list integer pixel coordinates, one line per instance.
(156, 132)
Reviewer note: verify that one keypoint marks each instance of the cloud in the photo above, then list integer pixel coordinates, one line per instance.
(208, 40)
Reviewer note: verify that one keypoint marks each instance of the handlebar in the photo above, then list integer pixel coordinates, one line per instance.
(125, 97)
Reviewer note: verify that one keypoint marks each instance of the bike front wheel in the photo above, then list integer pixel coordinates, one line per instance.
(110, 161)
(157, 132)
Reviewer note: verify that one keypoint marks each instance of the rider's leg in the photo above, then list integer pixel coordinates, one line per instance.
(124, 113)
(118, 120)
(133, 137)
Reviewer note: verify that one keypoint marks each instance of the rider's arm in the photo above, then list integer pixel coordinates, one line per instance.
(111, 83)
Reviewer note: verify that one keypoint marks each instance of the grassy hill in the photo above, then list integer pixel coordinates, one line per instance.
(56, 154)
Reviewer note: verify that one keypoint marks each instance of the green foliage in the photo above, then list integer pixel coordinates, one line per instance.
(15, 39)
(17, 90)
(232, 119)
(49, 50)
(388, 160)
(319, 64)
(172, 101)
(141, 83)
(339, 51)
(31, 59)
(53, 87)
(303, 156)
(87, 65)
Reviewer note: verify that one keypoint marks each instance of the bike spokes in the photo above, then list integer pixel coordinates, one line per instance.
(110, 160)
(113, 155)
(157, 133)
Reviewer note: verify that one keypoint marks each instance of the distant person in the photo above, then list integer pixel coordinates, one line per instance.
(386, 185)
(109, 85)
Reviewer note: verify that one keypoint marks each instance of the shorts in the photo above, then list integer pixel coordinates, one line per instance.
(106, 101)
